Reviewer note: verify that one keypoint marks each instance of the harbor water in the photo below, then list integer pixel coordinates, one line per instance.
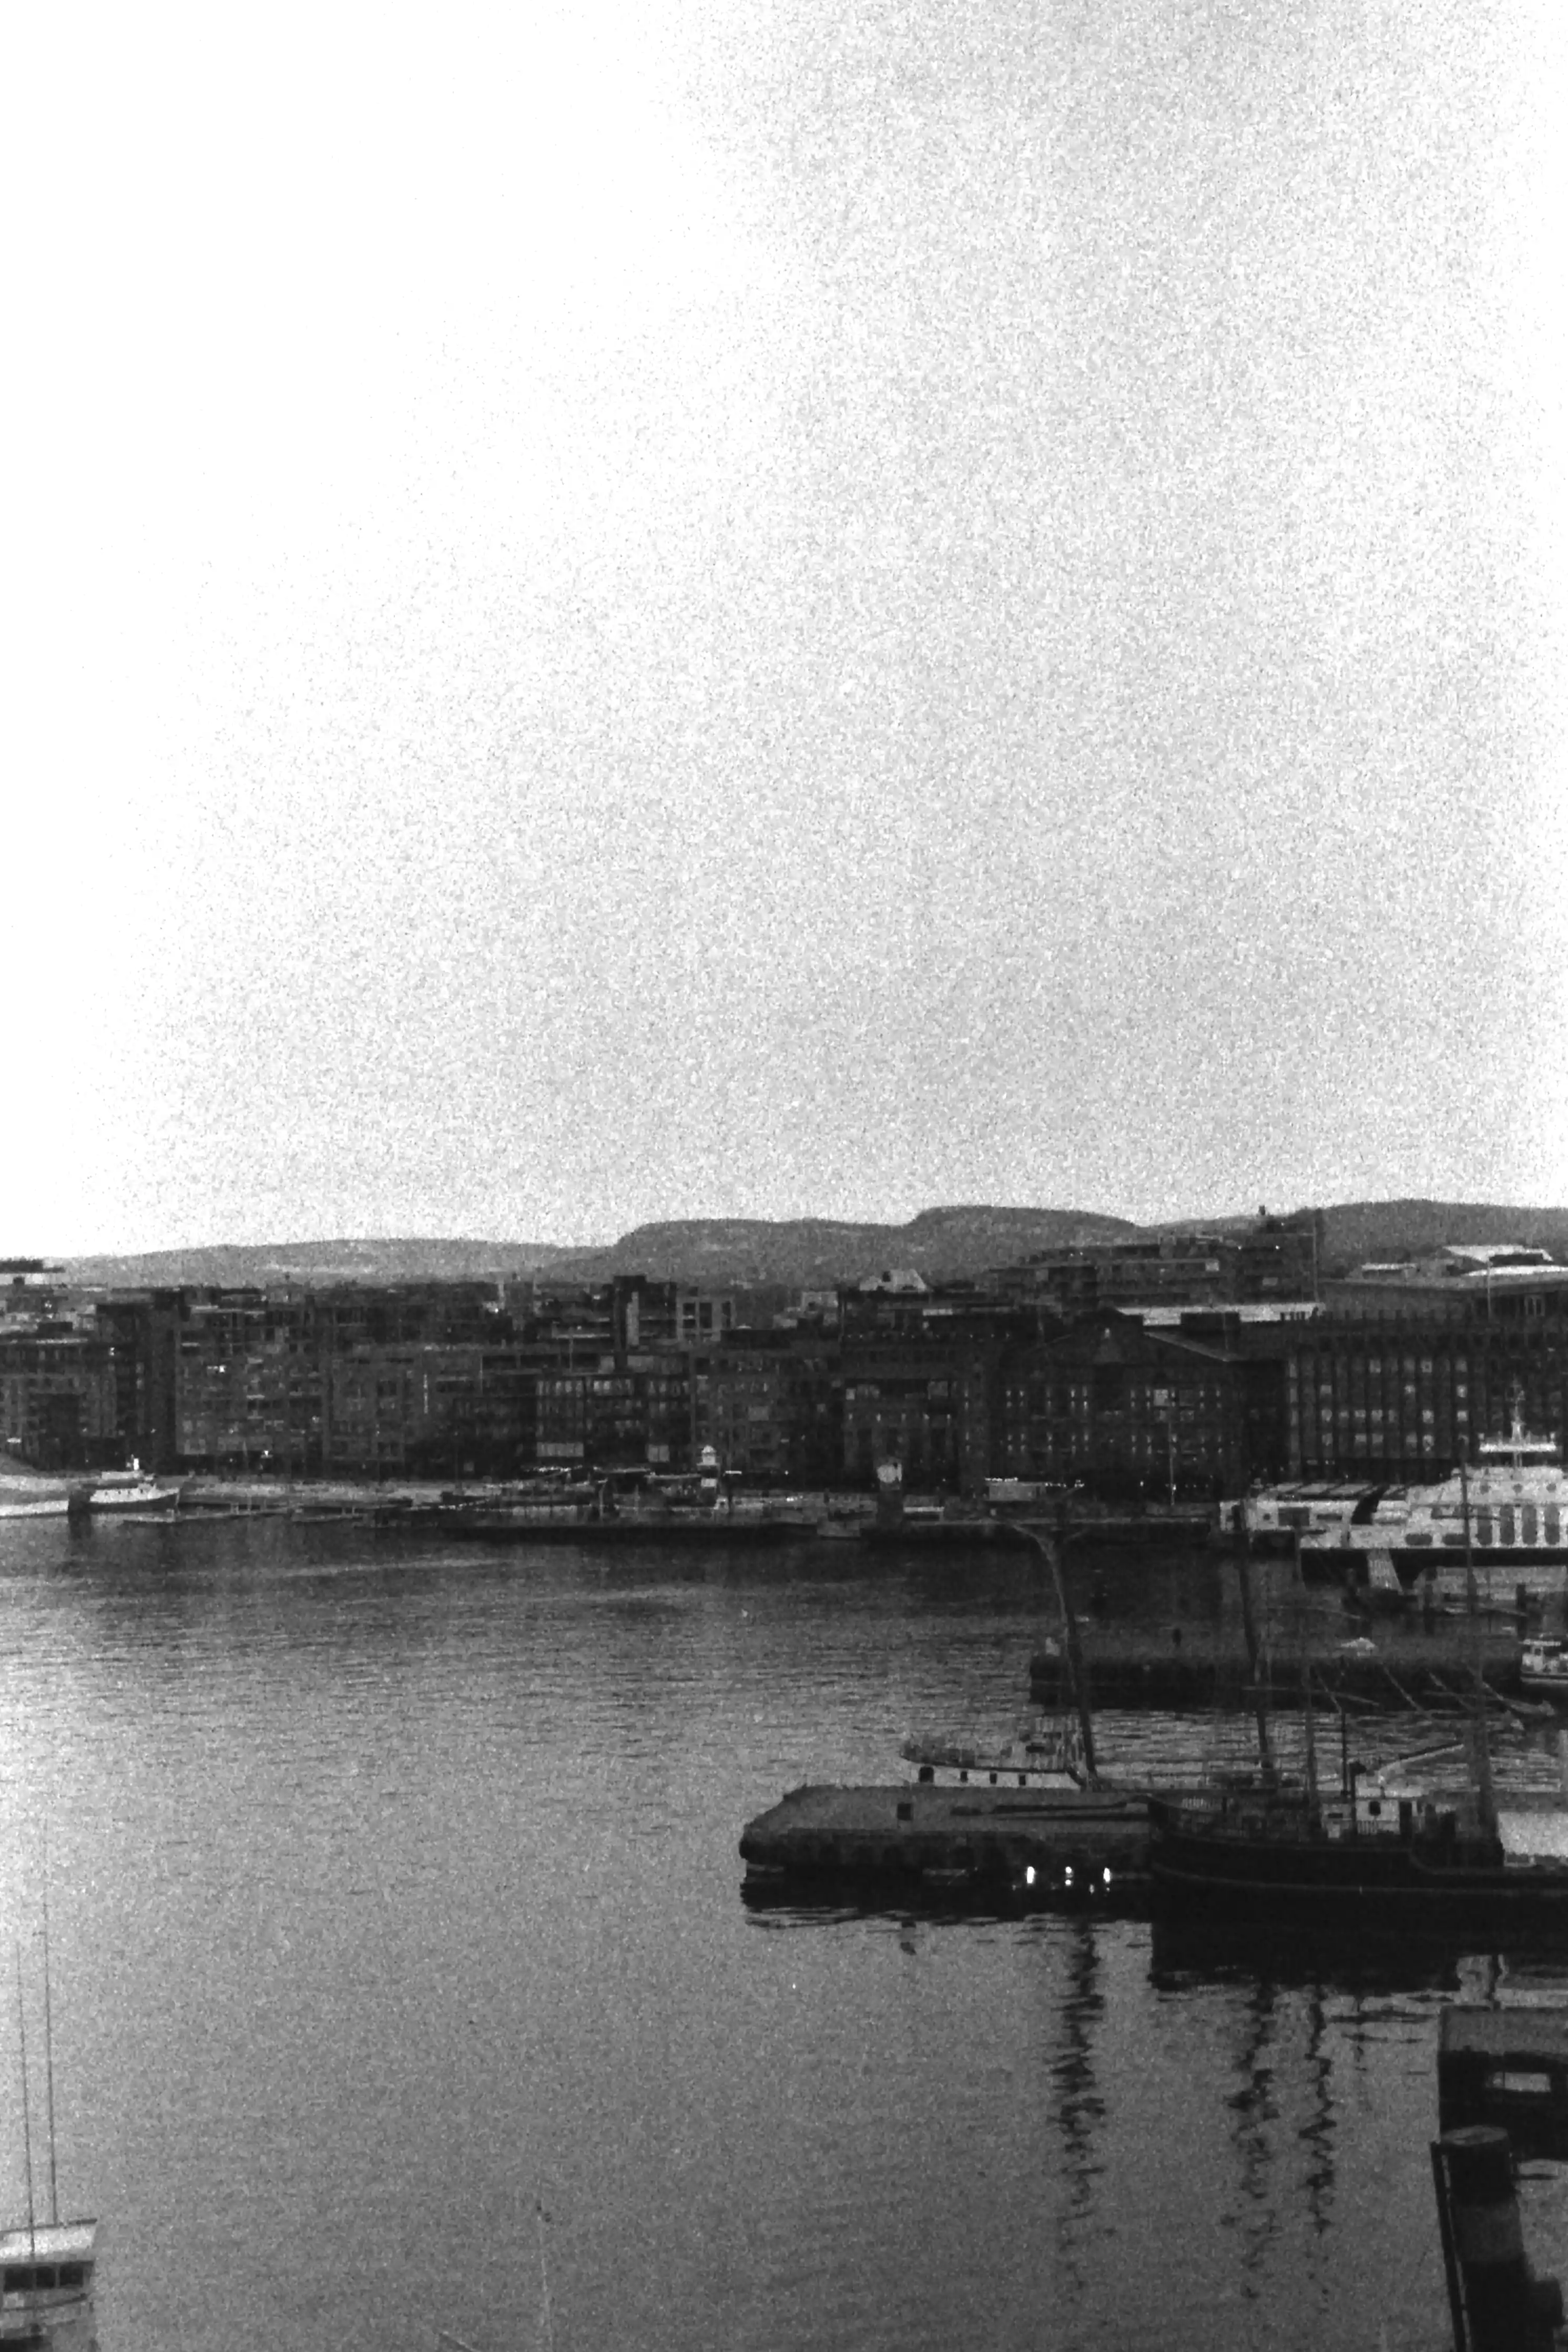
(401, 1978)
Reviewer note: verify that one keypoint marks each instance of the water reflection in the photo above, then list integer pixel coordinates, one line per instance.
(1076, 2104)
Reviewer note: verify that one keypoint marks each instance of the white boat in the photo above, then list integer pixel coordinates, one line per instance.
(1544, 1670)
(1507, 1509)
(47, 2286)
(1275, 1517)
(1042, 1756)
(130, 1490)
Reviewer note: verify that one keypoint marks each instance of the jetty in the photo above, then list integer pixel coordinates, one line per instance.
(986, 1840)
(708, 1529)
(1194, 1668)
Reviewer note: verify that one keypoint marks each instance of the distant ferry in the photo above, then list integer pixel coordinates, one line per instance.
(1509, 1509)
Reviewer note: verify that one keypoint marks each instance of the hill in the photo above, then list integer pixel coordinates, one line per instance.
(950, 1245)
(1362, 1230)
(316, 1265)
(814, 1253)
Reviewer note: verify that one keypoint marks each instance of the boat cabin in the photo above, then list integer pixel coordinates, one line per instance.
(46, 2283)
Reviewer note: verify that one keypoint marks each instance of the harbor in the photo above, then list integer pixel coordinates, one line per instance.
(529, 1772)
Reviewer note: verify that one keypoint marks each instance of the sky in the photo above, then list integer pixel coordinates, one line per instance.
(669, 608)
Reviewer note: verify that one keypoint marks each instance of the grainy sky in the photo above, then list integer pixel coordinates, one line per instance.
(761, 607)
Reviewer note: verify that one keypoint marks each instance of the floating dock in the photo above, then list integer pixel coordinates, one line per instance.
(983, 1840)
(1194, 1668)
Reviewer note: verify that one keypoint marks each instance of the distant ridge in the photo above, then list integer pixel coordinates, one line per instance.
(1361, 1230)
(314, 1265)
(945, 1244)
(812, 1252)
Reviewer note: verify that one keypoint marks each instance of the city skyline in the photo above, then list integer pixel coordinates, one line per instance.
(708, 610)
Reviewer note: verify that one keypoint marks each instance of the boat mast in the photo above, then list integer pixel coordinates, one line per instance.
(27, 2105)
(1480, 1745)
(549, 2323)
(49, 2048)
(1049, 1549)
(1253, 1654)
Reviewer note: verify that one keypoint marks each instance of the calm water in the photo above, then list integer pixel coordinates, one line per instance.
(393, 1888)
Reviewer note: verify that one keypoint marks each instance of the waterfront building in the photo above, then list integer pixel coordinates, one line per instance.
(431, 1412)
(57, 1398)
(1122, 1410)
(1407, 1397)
(1271, 1259)
(769, 1405)
(247, 1381)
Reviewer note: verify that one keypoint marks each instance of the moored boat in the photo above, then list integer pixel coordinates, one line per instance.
(124, 1490)
(47, 2286)
(1265, 1851)
(1544, 1670)
(1042, 1756)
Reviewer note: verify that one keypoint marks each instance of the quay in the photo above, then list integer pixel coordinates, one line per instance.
(1194, 1668)
(1044, 1844)
(918, 1529)
(707, 1528)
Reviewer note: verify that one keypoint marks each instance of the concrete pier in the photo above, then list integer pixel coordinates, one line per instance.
(1044, 1844)
(1193, 1667)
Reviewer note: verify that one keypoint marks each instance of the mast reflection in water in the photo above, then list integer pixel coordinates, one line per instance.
(395, 1888)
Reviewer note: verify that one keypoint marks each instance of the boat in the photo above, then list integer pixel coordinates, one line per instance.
(1306, 1510)
(1507, 1509)
(47, 2286)
(130, 1490)
(1042, 1756)
(1270, 1849)
(46, 2267)
(1386, 1847)
(1544, 1670)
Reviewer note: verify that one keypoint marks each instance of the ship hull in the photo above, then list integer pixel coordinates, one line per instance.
(1349, 1878)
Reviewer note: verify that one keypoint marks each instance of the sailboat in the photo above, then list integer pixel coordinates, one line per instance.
(1271, 1848)
(46, 2267)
